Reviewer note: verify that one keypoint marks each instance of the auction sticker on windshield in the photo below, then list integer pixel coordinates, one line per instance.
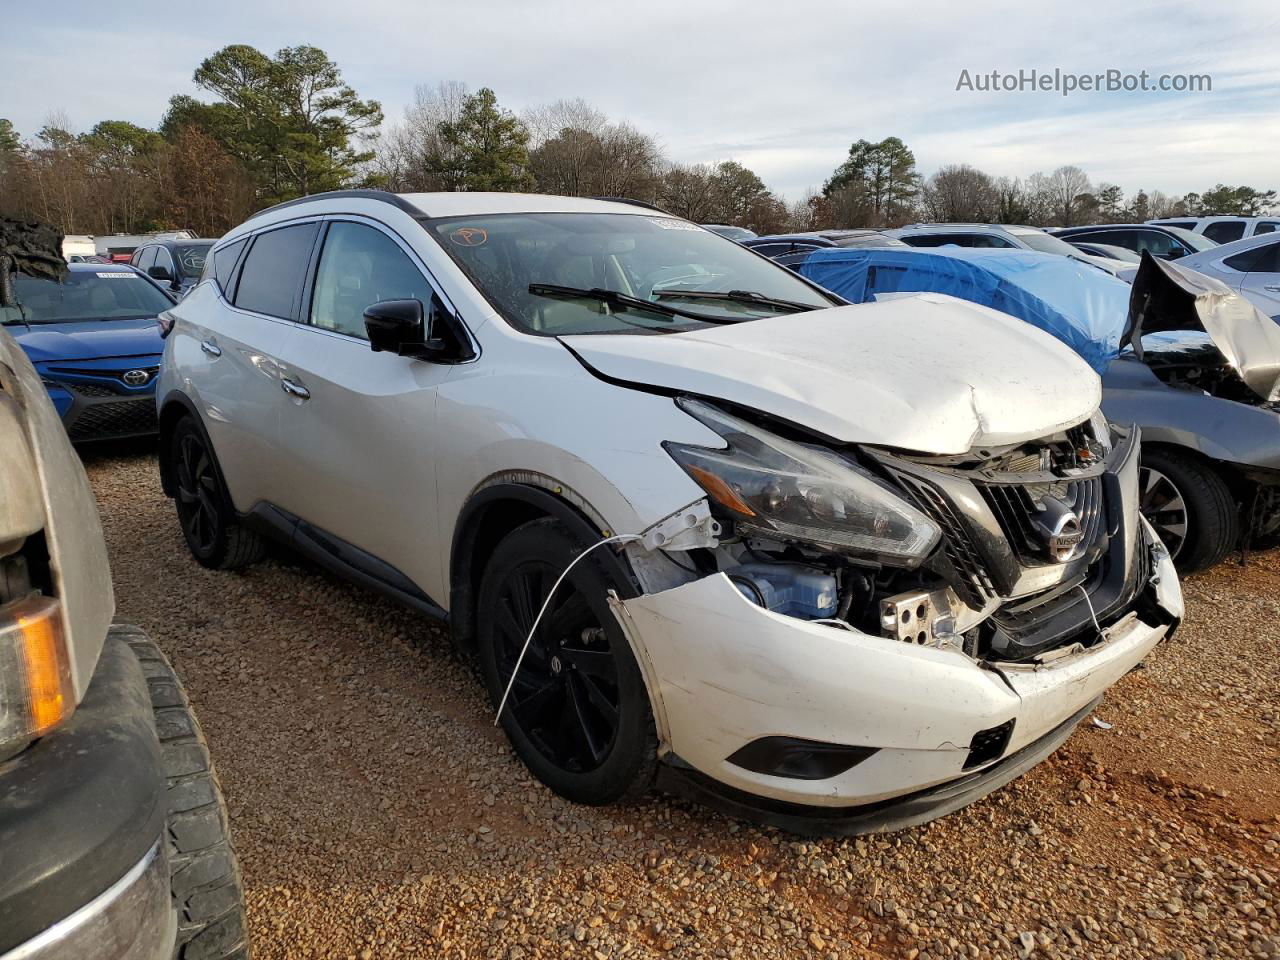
(117, 276)
(469, 236)
(668, 223)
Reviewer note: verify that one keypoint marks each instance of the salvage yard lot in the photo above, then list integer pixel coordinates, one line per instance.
(378, 813)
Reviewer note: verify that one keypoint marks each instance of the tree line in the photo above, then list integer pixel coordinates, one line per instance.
(287, 125)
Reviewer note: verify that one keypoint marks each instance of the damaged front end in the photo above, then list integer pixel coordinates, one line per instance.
(919, 620)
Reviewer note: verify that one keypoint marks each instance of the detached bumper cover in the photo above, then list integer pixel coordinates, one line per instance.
(724, 672)
(81, 809)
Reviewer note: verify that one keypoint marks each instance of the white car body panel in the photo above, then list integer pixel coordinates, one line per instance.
(1200, 224)
(942, 379)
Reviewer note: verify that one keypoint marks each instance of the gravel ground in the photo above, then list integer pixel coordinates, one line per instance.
(378, 814)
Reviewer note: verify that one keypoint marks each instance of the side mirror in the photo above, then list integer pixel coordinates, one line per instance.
(160, 273)
(404, 327)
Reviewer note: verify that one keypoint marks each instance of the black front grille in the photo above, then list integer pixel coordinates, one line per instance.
(976, 586)
(101, 421)
(988, 745)
(92, 390)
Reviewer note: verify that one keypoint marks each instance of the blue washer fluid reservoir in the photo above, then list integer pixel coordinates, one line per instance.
(787, 588)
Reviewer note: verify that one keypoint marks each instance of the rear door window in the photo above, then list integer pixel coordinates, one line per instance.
(274, 268)
(1246, 261)
(1268, 260)
(1224, 231)
(1266, 226)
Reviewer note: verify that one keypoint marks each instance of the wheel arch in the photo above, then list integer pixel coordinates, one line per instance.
(1231, 474)
(175, 406)
(494, 511)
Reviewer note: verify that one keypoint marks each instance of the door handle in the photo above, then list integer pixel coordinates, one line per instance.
(211, 348)
(294, 389)
(1273, 287)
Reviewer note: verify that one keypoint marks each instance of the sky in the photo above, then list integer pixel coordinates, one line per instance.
(782, 88)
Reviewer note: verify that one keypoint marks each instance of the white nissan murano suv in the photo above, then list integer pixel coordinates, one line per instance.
(699, 523)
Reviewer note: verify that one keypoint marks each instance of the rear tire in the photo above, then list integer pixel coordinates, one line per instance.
(213, 532)
(579, 714)
(1190, 506)
(204, 878)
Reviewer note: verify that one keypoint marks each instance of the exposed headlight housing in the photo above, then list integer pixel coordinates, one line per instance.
(36, 692)
(783, 490)
(1101, 428)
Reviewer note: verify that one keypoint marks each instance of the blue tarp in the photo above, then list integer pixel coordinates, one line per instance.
(1082, 306)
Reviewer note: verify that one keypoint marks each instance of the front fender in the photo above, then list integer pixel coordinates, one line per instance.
(1222, 430)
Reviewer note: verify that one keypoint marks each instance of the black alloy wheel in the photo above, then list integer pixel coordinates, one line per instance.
(213, 532)
(566, 695)
(197, 493)
(578, 714)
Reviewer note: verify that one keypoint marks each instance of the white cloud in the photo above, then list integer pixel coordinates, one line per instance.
(782, 89)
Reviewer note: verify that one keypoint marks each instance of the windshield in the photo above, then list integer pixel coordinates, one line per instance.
(190, 257)
(645, 258)
(1039, 240)
(85, 295)
(1196, 241)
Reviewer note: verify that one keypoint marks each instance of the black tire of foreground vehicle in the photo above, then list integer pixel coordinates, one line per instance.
(204, 876)
(214, 534)
(1212, 518)
(579, 714)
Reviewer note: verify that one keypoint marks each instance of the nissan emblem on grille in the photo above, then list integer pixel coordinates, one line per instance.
(1058, 524)
(135, 378)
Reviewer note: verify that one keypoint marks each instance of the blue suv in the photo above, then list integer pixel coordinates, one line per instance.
(95, 341)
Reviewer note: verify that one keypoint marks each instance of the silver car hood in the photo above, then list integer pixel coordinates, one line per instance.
(1169, 297)
(928, 372)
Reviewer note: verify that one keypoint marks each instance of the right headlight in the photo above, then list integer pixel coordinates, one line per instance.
(783, 490)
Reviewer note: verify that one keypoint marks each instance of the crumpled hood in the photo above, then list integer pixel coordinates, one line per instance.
(928, 373)
(89, 339)
(1169, 297)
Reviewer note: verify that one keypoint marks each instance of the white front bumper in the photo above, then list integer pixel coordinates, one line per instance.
(724, 672)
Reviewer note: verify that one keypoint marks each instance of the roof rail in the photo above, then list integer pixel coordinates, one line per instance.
(384, 195)
(635, 203)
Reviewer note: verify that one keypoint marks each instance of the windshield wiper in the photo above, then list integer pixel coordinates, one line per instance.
(737, 296)
(614, 298)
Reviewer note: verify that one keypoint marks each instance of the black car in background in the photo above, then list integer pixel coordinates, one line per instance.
(1166, 243)
(177, 263)
(784, 244)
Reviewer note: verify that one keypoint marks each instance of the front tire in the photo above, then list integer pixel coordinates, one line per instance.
(213, 532)
(578, 714)
(1190, 507)
(204, 877)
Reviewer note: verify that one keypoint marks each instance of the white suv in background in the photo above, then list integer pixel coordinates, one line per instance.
(1223, 229)
(840, 567)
